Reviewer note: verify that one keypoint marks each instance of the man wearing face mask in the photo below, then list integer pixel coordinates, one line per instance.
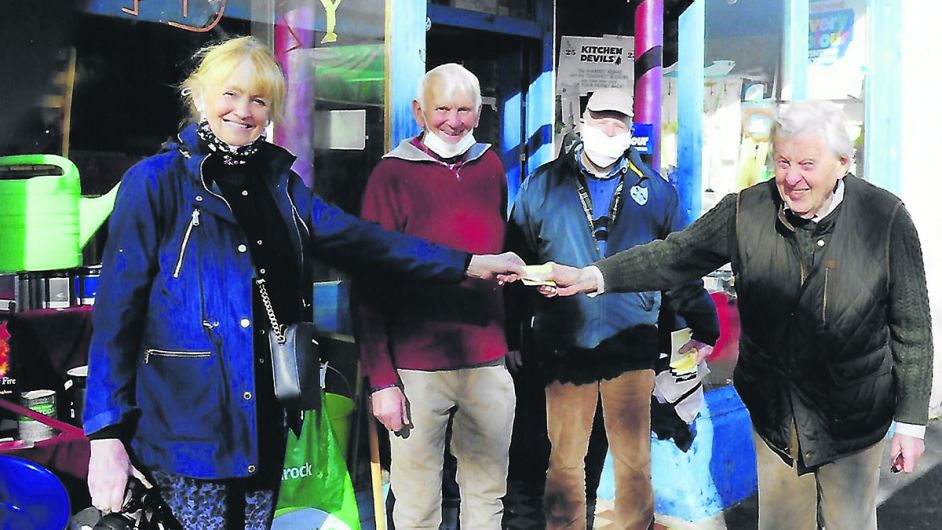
(432, 352)
(591, 202)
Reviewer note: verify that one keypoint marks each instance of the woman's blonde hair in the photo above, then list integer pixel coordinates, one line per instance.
(217, 61)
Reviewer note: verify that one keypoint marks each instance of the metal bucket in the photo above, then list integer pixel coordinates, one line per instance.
(44, 290)
(43, 402)
(85, 285)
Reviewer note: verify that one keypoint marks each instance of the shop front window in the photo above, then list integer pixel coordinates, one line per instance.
(742, 61)
(750, 73)
(333, 56)
(837, 59)
(98, 82)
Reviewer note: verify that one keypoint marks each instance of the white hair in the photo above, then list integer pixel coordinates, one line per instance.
(454, 78)
(823, 118)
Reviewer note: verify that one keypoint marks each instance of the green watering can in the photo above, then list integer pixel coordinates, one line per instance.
(44, 220)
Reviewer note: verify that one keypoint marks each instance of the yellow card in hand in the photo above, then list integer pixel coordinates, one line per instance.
(686, 363)
(532, 275)
(682, 362)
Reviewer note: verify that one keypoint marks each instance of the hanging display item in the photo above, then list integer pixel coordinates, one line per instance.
(45, 221)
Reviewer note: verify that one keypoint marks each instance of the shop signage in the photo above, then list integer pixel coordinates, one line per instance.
(7, 381)
(829, 34)
(587, 64)
(8, 385)
(200, 16)
(837, 48)
(215, 14)
(641, 134)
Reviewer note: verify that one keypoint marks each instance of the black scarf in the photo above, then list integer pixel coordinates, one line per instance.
(231, 155)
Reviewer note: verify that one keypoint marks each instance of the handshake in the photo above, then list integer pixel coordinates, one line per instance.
(550, 279)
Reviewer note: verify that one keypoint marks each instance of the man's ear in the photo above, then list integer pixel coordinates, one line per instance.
(845, 163)
(417, 114)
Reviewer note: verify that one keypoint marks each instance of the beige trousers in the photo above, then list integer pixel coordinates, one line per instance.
(847, 489)
(483, 402)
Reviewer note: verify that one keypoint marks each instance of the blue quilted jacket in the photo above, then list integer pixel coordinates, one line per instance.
(171, 355)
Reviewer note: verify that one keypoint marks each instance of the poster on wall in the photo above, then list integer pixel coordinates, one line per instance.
(587, 64)
(829, 35)
(836, 48)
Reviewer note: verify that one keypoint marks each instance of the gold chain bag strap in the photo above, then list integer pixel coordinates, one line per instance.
(295, 359)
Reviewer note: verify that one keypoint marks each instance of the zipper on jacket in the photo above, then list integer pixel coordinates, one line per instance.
(173, 353)
(194, 221)
(824, 306)
(205, 187)
(297, 216)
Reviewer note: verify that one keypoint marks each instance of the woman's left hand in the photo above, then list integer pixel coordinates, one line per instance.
(108, 469)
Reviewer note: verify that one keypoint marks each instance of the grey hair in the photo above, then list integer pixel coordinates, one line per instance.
(454, 78)
(823, 118)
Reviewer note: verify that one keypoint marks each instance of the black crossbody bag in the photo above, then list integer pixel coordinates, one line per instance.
(295, 359)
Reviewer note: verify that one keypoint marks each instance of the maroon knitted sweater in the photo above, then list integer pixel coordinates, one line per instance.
(422, 326)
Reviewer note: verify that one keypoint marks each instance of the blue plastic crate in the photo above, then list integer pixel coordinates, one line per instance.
(717, 472)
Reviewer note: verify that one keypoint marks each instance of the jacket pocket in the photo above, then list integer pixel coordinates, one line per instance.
(175, 380)
(862, 404)
(183, 354)
(194, 222)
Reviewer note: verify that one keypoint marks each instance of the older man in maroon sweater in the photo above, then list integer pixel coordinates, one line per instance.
(436, 351)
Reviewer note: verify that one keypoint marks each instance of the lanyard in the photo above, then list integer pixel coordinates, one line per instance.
(587, 202)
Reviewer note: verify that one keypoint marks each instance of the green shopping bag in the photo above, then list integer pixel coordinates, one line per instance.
(315, 475)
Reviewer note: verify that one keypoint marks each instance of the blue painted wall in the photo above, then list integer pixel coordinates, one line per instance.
(796, 48)
(405, 65)
(690, 108)
(883, 89)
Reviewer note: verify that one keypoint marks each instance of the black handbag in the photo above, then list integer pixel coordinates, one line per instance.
(295, 359)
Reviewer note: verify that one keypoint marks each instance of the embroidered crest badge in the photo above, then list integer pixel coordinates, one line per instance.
(639, 194)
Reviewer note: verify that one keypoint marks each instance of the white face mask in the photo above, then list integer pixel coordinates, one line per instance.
(445, 149)
(603, 150)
